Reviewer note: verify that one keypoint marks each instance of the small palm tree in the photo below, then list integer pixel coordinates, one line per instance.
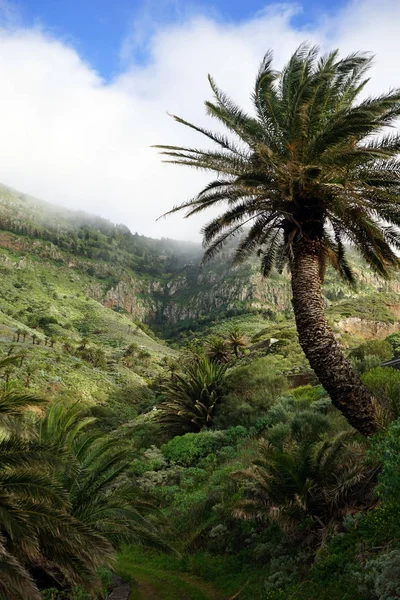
(37, 530)
(312, 169)
(94, 474)
(22, 355)
(217, 350)
(191, 398)
(237, 341)
(20, 332)
(311, 481)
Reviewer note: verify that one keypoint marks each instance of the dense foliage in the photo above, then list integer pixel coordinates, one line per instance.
(66, 505)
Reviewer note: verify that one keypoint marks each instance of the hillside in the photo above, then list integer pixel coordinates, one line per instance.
(81, 297)
(160, 282)
(99, 315)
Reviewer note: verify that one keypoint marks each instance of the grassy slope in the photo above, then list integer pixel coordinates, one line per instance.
(33, 288)
(45, 279)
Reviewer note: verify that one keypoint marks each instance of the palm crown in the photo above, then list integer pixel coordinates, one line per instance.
(312, 164)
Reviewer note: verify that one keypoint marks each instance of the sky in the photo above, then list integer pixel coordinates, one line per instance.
(86, 86)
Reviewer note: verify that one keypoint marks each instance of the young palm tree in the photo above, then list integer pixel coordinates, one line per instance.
(37, 530)
(217, 350)
(191, 398)
(94, 474)
(306, 480)
(237, 341)
(314, 168)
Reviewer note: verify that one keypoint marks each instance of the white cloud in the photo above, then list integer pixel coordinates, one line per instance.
(71, 138)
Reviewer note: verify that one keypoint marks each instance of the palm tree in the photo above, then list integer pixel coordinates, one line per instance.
(37, 530)
(20, 332)
(306, 478)
(191, 398)
(237, 341)
(94, 473)
(314, 168)
(217, 350)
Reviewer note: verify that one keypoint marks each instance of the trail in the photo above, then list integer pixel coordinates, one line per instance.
(154, 584)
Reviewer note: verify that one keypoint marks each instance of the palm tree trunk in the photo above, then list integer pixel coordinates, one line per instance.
(320, 346)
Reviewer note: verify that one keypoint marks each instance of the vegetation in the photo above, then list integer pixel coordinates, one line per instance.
(310, 172)
(213, 466)
(65, 507)
(192, 398)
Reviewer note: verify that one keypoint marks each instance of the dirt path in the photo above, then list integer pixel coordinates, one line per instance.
(153, 584)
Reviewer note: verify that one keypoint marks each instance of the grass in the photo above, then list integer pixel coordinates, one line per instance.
(199, 576)
(153, 582)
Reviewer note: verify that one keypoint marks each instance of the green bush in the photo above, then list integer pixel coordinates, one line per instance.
(384, 383)
(250, 390)
(394, 341)
(380, 578)
(381, 348)
(308, 393)
(371, 354)
(188, 449)
(385, 449)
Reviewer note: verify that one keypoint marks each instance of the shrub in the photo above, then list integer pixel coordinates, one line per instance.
(385, 448)
(394, 341)
(308, 393)
(384, 383)
(381, 348)
(188, 449)
(370, 354)
(250, 390)
(380, 578)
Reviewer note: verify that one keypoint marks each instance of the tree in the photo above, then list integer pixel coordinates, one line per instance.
(313, 482)
(22, 354)
(37, 530)
(217, 350)
(94, 472)
(20, 332)
(192, 397)
(305, 474)
(237, 341)
(313, 169)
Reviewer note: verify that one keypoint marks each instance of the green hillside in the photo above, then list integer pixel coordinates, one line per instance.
(117, 325)
(77, 291)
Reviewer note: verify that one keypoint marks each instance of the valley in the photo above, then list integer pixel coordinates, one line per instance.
(109, 321)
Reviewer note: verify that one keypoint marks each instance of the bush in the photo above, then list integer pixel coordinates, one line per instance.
(308, 393)
(394, 341)
(380, 578)
(385, 448)
(381, 348)
(371, 354)
(188, 449)
(384, 383)
(250, 390)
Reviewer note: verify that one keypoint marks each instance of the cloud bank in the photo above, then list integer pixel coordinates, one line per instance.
(69, 137)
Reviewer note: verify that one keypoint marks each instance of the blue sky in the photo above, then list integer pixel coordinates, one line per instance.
(98, 28)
